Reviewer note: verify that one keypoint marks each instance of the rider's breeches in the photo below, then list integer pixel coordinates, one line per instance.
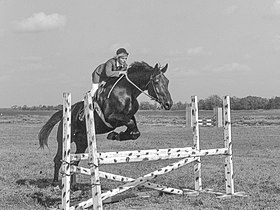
(94, 88)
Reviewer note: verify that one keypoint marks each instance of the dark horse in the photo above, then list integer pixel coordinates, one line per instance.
(118, 104)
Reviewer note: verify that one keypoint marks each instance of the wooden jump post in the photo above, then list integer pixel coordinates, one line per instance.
(186, 155)
(215, 120)
(66, 182)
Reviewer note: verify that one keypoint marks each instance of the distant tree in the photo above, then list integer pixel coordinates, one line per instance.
(58, 107)
(210, 102)
(246, 103)
(24, 107)
(16, 107)
(147, 106)
(235, 103)
(253, 103)
(277, 103)
(50, 108)
(201, 104)
(274, 103)
(179, 106)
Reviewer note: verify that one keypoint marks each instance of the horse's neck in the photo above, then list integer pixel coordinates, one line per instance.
(140, 81)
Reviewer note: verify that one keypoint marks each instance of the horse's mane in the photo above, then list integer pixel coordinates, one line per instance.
(140, 66)
(138, 71)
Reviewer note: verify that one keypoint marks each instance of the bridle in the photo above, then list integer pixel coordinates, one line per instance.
(142, 91)
(146, 87)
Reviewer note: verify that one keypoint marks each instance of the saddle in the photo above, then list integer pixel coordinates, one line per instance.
(96, 107)
(100, 90)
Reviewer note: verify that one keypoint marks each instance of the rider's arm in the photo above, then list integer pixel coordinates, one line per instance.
(109, 70)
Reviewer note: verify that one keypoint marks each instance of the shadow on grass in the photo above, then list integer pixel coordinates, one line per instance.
(45, 199)
(51, 197)
(40, 183)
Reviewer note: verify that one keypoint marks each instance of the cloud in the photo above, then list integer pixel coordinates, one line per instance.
(232, 67)
(174, 53)
(275, 8)
(31, 58)
(40, 22)
(230, 10)
(195, 51)
(182, 72)
(5, 78)
(276, 43)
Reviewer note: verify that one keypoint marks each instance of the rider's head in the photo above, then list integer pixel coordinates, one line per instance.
(122, 55)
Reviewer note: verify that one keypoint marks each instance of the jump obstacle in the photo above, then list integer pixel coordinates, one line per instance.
(215, 121)
(186, 155)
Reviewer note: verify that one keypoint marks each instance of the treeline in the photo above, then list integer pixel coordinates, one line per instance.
(247, 103)
(40, 107)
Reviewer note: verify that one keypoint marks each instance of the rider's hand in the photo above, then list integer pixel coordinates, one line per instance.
(124, 65)
(92, 91)
(123, 73)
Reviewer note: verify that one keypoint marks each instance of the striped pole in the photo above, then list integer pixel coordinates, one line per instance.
(228, 144)
(138, 181)
(189, 154)
(206, 122)
(188, 115)
(197, 166)
(93, 156)
(161, 156)
(218, 114)
(66, 151)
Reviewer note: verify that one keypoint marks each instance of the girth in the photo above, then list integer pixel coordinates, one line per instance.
(97, 109)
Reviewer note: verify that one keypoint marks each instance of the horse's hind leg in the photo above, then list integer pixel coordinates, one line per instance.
(81, 146)
(58, 157)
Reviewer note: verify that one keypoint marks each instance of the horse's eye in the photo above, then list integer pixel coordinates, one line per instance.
(157, 80)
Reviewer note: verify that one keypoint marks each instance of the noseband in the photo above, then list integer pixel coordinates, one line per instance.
(146, 87)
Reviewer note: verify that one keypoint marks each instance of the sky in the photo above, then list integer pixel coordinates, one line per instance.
(212, 47)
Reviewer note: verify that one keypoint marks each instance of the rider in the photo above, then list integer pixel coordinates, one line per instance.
(114, 67)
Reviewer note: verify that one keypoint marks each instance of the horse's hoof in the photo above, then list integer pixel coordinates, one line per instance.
(112, 136)
(55, 184)
(57, 188)
(75, 187)
(124, 136)
(135, 135)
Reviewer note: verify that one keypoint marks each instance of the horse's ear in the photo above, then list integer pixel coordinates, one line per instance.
(163, 70)
(156, 66)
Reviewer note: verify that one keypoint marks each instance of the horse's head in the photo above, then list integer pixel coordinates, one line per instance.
(158, 87)
(145, 77)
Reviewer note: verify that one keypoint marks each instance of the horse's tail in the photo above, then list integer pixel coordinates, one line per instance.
(47, 128)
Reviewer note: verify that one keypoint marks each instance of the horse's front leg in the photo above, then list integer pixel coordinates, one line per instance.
(132, 131)
(132, 126)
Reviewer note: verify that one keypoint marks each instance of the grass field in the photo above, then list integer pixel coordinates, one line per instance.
(26, 171)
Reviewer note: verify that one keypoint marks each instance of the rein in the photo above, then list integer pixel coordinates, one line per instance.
(142, 91)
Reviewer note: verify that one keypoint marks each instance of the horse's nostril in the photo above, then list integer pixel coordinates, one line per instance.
(167, 105)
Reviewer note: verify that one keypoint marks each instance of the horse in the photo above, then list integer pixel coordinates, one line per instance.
(115, 105)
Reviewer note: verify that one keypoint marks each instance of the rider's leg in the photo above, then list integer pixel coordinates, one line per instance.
(94, 88)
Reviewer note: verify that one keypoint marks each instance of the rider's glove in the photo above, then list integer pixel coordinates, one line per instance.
(123, 73)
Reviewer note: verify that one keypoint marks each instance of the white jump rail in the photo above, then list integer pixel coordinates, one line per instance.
(66, 151)
(186, 156)
(215, 121)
